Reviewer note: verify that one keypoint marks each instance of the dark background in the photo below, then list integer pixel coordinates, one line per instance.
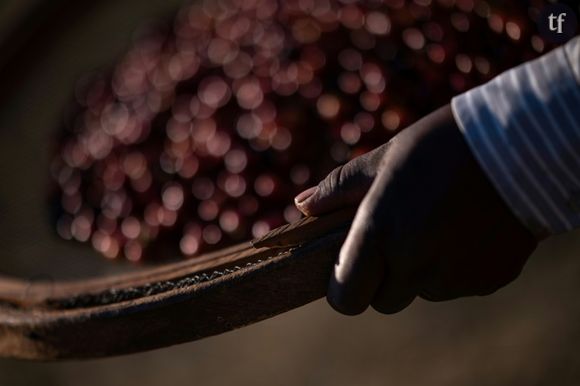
(526, 334)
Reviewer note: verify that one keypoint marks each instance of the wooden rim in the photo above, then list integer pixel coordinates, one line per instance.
(172, 304)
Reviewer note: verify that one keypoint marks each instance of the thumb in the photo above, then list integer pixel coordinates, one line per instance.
(345, 186)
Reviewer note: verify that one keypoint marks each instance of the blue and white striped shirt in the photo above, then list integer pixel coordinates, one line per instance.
(524, 129)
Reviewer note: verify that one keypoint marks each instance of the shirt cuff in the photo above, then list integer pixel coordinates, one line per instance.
(524, 129)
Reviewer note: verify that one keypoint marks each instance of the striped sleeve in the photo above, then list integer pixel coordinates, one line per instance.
(524, 129)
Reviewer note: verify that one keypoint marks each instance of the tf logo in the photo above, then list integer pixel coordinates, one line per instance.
(560, 21)
(557, 23)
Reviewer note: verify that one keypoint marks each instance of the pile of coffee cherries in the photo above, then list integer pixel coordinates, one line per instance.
(202, 133)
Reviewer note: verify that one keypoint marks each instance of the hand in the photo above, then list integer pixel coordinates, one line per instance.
(429, 222)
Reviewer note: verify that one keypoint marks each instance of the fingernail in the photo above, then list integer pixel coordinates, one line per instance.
(305, 195)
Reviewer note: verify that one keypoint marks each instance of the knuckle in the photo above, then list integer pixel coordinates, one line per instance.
(332, 181)
(436, 296)
(346, 308)
(339, 176)
(392, 306)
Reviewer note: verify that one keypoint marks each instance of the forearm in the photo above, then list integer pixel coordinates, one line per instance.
(524, 129)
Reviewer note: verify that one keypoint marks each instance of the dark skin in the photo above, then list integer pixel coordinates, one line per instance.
(429, 222)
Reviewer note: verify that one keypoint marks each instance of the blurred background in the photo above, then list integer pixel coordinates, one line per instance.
(526, 334)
